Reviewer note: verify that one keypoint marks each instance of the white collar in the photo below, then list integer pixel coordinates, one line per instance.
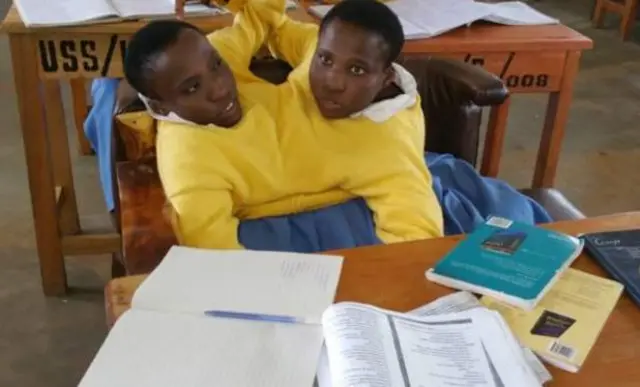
(383, 110)
(171, 117)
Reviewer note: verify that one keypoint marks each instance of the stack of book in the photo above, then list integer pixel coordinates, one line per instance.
(523, 273)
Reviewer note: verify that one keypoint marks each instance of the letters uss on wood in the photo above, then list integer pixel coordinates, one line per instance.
(90, 56)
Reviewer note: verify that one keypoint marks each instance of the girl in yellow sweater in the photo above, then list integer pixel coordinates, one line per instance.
(353, 128)
(352, 117)
(217, 148)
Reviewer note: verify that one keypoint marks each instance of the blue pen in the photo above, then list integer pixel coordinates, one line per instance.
(253, 316)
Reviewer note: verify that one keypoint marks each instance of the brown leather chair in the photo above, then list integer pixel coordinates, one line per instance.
(453, 94)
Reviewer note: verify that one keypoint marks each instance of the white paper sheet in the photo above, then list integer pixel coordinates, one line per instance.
(152, 349)
(156, 8)
(428, 18)
(62, 12)
(452, 303)
(517, 13)
(463, 301)
(436, 17)
(194, 281)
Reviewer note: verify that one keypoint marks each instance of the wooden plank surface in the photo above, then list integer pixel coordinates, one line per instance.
(64, 56)
(392, 277)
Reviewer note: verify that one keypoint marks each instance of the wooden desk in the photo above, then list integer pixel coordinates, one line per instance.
(541, 59)
(393, 277)
(42, 58)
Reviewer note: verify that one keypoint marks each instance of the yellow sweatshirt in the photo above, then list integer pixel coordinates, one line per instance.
(284, 157)
(382, 162)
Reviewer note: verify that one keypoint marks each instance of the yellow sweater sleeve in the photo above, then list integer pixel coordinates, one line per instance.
(252, 24)
(404, 206)
(261, 22)
(204, 219)
(200, 194)
(399, 189)
(293, 41)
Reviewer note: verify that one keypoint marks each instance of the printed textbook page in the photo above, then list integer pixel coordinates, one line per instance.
(463, 301)
(370, 346)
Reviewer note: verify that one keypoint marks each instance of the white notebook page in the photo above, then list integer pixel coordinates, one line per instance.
(517, 13)
(437, 16)
(136, 8)
(62, 12)
(195, 281)
(153, 349)
(153, 8)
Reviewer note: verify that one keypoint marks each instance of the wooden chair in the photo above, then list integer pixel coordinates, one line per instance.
(453, 93)
(627, 9)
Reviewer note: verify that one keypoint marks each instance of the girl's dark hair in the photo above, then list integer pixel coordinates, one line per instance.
(373, 16)
(148, 42)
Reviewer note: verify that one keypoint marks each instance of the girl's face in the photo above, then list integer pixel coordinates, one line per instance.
(191, 80)
(349, 69)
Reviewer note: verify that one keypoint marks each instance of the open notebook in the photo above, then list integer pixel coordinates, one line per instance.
(44, 13)
(167, 339)
(47, 13)
(428, 18)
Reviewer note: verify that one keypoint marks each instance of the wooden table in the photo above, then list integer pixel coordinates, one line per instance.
(392, 277)
(541, 59)
(42, 58)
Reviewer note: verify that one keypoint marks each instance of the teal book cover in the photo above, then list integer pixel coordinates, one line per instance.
(509, 260)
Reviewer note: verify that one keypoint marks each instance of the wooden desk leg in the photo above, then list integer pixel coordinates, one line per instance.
(80, 112)
(597, 18)
(628, 18)
(494, 139)
(60, 158)
(554, 125)
(43, 202)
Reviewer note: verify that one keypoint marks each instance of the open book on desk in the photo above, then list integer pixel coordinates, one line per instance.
(367, 346)
(193, 323)
(427, 18)
(47, 13)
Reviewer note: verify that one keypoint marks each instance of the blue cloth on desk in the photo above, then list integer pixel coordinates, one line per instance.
(466, 197)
